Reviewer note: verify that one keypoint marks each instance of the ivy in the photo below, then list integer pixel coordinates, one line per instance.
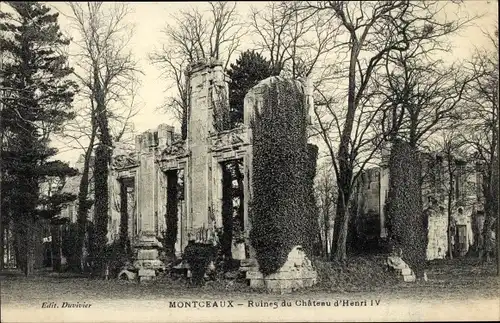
(280, 169)
(408, 223)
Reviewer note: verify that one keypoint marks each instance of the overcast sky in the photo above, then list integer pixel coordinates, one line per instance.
(149, 19)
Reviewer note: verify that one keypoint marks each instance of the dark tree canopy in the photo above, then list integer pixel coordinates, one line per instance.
(250, 68)
(36, 101)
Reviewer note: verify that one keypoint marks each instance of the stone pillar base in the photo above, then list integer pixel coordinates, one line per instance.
(401, 268)
(148, 262)
(295, 274)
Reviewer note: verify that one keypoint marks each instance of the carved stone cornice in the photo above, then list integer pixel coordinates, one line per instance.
(176, 149)
(124, 161)
(229, 140)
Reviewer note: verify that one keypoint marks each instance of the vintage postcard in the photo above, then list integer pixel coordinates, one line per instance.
(249, 161)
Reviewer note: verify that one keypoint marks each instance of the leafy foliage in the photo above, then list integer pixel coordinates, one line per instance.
(250, 68)
(279, 175)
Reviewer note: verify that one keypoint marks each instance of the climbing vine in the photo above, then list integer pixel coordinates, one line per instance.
(404, 205)
(220, 105)
(280, 163)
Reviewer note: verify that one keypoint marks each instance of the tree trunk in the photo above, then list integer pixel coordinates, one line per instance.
(498, 242)
(55, 246)
(101, 172)
(451, 232)
(327, 231)
(2, 241)
(340, 226)
(83, 202)
(29, 248)
(345, 169)
(101, 206)
(341, 254)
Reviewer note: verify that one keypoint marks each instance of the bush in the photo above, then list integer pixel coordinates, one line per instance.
(117, 257)
(69, 246)
(199, 256)
(357, 274)
(280, 168)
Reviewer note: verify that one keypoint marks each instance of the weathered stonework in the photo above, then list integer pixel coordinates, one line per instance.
(141, 176)
(296, 273)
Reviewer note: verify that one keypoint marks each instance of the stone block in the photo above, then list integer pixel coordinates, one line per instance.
(257, 283)
(147, 273)
(254, 275)
(145, 278)
(298, 283)
(409, 278)
(147, 254)
(149, 264)
(406, 271)
(148, 241)
(296, 273)
(309, 282)
(127, 275)
(279, 285)
(248, 262)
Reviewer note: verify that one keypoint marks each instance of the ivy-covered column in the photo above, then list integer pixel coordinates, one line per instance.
(281, 197)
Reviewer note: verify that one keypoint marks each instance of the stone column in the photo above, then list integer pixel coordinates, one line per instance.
(297, 272)
(202, 77)
(147, 179)
(147, 244)
(217, 192)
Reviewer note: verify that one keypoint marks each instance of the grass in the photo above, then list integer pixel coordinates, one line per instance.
(448, 279)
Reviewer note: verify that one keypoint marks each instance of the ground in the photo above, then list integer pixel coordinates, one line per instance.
(451, 283)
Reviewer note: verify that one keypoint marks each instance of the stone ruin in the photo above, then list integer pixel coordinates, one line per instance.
(296, 273)
(194, 168)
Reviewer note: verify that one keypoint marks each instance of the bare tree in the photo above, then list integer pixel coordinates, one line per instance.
(457, 164)
(326, 196)
(481, 132)
(294, 39)
(373, 30)
(107, 70)
(423, 96)
(192, 35)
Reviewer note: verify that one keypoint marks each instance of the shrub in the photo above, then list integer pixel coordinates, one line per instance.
(117, 257)
(69, 246)
(199, 256)
(357, 274)
(280, 201)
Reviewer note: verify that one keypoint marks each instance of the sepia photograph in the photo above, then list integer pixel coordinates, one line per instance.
(266, 161)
